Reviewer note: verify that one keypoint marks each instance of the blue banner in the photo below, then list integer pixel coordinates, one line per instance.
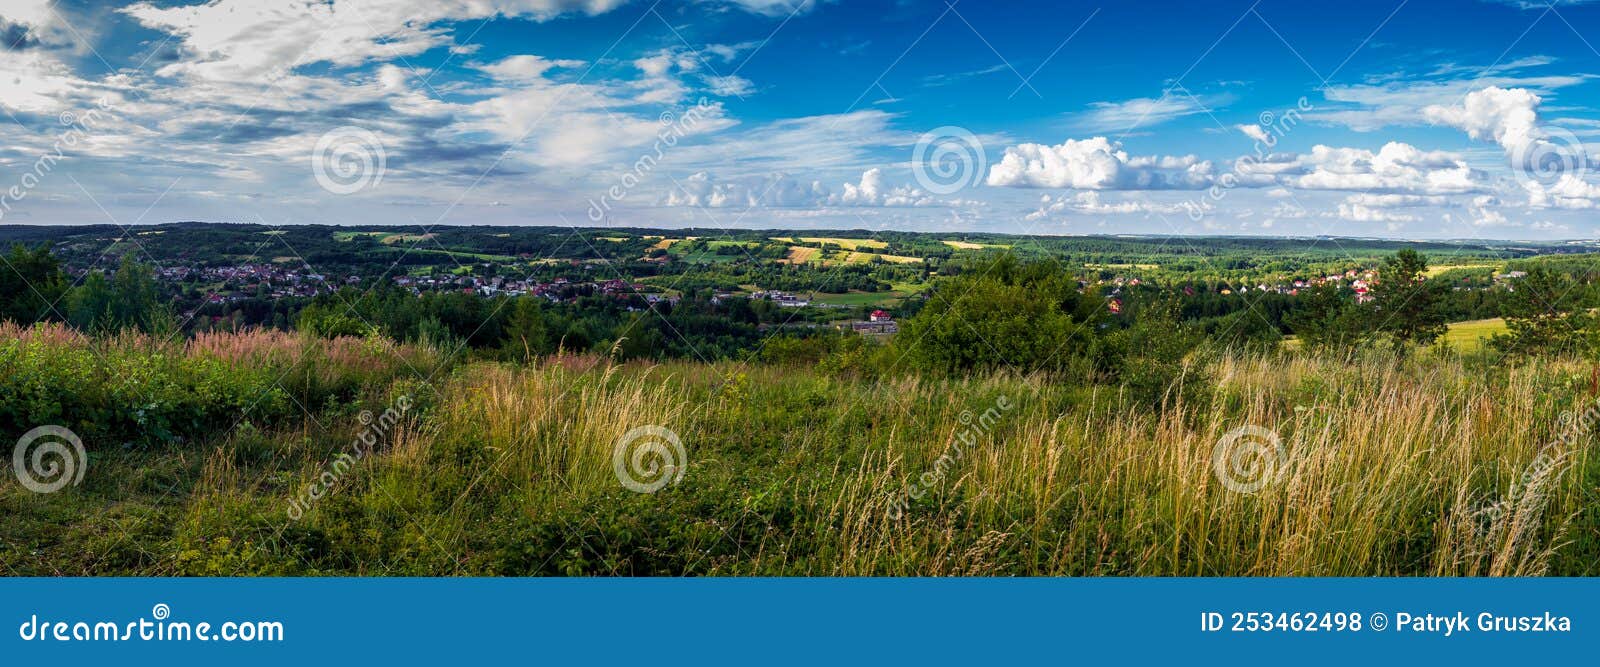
(795, 621)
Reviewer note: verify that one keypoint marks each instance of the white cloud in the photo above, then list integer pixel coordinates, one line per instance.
(773, 8)
(1128, 115)
(1254, 132)
(1396, 168)
(1506, 117)
(1403, 101)
(1096, 164)
(238, 40)
(1568, 192)
(780, 190)
(872, 191)
(1404, 201)
(777, 190)
(1368, 207)
(1510, 118)
(525, 68)
(1359, 213)
(1092, 203)
(807, 144)
(729, 86)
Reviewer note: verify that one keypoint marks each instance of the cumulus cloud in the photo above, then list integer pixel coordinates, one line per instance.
(1551, 170)
(1397, 168)
(872, 191)
(1506, 117)
(1568, 192)
(1096, 164)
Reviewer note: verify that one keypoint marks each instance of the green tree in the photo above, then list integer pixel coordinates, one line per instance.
(30, 282)
(1542, 314)
(526, 333)
(130, 299)
(1328, 318)
(1408, 307)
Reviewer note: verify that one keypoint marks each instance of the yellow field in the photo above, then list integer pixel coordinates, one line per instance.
(968, 245)
(802, 254)
(847, 244)
(864, 257)
(1436, 270)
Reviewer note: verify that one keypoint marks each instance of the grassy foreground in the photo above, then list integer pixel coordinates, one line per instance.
(203, 455)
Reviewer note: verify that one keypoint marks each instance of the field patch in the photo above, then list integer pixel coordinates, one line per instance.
(1470, 336)
(404, 238)
(847, 244)
(1442, 268)
(864, 257)
(968, 245)
(799, 254)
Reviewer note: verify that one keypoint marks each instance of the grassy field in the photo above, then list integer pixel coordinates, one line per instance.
(1470, 336)
(1436, 465)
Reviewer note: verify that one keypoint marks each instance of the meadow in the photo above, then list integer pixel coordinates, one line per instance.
(228, 454)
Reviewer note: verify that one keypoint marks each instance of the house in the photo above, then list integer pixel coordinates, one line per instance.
(880, 316)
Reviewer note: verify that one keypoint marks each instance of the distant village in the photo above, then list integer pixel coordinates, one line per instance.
(276, 281)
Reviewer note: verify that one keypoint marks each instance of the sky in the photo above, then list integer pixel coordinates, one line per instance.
(1470, 119)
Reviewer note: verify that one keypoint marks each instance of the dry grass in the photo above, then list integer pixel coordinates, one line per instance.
(1388, 470)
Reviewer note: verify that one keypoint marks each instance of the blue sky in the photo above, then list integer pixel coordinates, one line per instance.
(1407, 119)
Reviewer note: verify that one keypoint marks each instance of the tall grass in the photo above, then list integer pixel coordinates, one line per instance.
(1432, 465)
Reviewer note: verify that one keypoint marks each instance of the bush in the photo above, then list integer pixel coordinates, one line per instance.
(1004, 314)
